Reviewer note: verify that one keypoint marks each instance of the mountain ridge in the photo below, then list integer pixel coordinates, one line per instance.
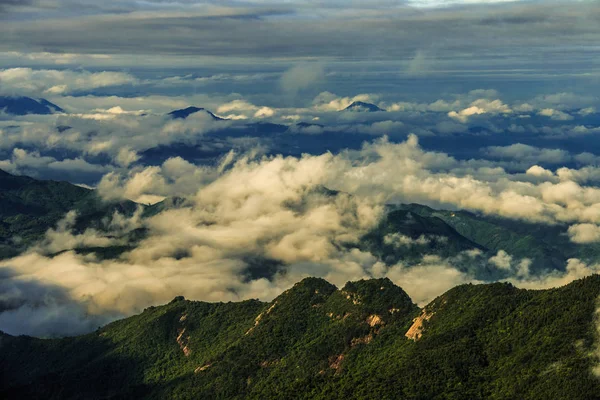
(318, 341)
(186, 112)
(21, 105)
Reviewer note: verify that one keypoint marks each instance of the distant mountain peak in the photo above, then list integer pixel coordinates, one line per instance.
(308, 125)
(21, 105)
(186, 112)
(361, 106)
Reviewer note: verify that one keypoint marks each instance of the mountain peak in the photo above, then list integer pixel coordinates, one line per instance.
(379, 295)
(361, 106)
(21, 105)
(186, 112)
(312, 286)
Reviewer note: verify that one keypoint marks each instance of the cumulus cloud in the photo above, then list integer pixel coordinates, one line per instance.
(584, 233)
(478, 107)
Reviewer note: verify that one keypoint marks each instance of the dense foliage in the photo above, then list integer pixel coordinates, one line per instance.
(29, 207)
(315, 341)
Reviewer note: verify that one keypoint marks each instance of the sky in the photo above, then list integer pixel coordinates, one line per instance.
(488, 106)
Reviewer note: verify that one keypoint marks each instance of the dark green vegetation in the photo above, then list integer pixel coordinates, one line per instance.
(427, 235)
(548, 246)
(29, 207)
(315, 341)
(449, 233)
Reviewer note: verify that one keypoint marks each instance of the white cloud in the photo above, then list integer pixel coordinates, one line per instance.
(327, 101)
(27, 81)
(478, 107)
(556, 115)
(502, 260)
(301, 77)
(584, 233)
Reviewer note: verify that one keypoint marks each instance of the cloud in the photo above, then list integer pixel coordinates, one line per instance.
(294, 30)
(248, 206)
(264, 112)
(23, 162)
(327, 101)
(301, 77)
(530, 154)
(26, 81)
(6, 5)
(399, 240)
(44, 310)
(420, 64)
(478, 107)
(584, 233)
(587, 111)
(556, 115)
(274, 208)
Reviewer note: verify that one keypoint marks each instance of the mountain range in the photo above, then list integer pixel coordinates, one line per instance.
(366, 340)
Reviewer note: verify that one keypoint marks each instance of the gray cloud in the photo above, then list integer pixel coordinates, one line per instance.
(380, 33)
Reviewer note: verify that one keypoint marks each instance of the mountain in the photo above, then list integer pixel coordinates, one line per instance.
(186, 112)
(309, 125)
(362, 107)
(548, 246)
(29, 207)
(404, 235)
(315, 341)
(18, 105)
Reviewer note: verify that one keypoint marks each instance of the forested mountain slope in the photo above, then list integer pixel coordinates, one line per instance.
(367, 340)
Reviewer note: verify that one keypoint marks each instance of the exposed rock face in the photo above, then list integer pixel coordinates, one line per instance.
(415, 332)
(335, 362)
(260, 317)
(183, 341)
(363, 340)
(374, 320)
(202, 369)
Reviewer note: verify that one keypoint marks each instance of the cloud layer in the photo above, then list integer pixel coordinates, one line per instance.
(251, 211)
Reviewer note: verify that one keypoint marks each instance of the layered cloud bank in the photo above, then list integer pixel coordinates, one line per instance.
(250, 213)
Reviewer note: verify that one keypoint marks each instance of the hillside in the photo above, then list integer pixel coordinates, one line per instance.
(367, 340)
(548, 246)
(29, 207)
(404, 235)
